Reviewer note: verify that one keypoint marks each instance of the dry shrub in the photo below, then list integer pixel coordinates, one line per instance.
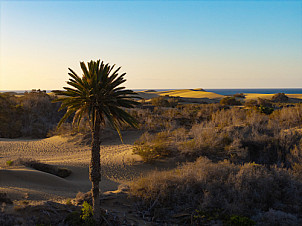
(236, 152)
(160, 101)
(244, 135)
(240, 190)
(287, 117)
(4, 199)
(277, 218)
(83, 197)
(179, 135)
(151, 147)
(297, 171)
(233, 116)
(149, 153)
(257, 120)
(207, 140)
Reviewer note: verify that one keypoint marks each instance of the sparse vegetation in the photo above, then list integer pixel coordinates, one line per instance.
(253, 159)
(223, 190)
(243, 163)
(240, 135)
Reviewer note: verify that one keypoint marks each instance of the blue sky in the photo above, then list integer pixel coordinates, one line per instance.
(159, 44)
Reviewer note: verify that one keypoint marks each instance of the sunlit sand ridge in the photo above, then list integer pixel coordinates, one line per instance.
(201, 94)
(183, 93)
(249, 96)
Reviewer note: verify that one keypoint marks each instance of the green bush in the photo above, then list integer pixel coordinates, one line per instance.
(239, 95)
(280, 97)
(229, 101)
(87, 213)
(83, 218)
(9, 163)
(266, 110)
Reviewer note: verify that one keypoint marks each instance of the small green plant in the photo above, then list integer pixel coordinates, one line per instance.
(87, 211)
(87, 214)
(9, 163)
(85, 217)
(266, 110)
(236, 220)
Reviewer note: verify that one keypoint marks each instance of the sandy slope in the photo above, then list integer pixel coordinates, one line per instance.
(119, 165)
(191, 93)
(207, 96)
(185, 93)
(249, 96)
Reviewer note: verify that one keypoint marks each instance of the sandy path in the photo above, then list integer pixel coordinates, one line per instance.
(118, 163)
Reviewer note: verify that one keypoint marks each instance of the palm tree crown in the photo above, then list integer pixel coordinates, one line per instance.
(97, 93)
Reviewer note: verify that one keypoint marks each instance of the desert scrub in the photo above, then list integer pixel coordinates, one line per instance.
(149, 153)
(208, 140)
(153, 146)
(243, 190)
(229, 101)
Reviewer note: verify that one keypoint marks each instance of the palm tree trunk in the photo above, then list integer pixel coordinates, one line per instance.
(94, 170)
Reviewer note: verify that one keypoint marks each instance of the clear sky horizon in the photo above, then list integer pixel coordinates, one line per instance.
(159, 44)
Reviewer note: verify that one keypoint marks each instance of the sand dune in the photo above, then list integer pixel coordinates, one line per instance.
(250, 96)
(119, 165)
(204, 95)
(186, 95)
(192, 93)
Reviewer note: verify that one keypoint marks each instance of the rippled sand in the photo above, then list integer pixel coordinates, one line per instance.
(118, 164)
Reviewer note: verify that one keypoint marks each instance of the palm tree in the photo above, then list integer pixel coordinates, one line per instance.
(98, 96)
